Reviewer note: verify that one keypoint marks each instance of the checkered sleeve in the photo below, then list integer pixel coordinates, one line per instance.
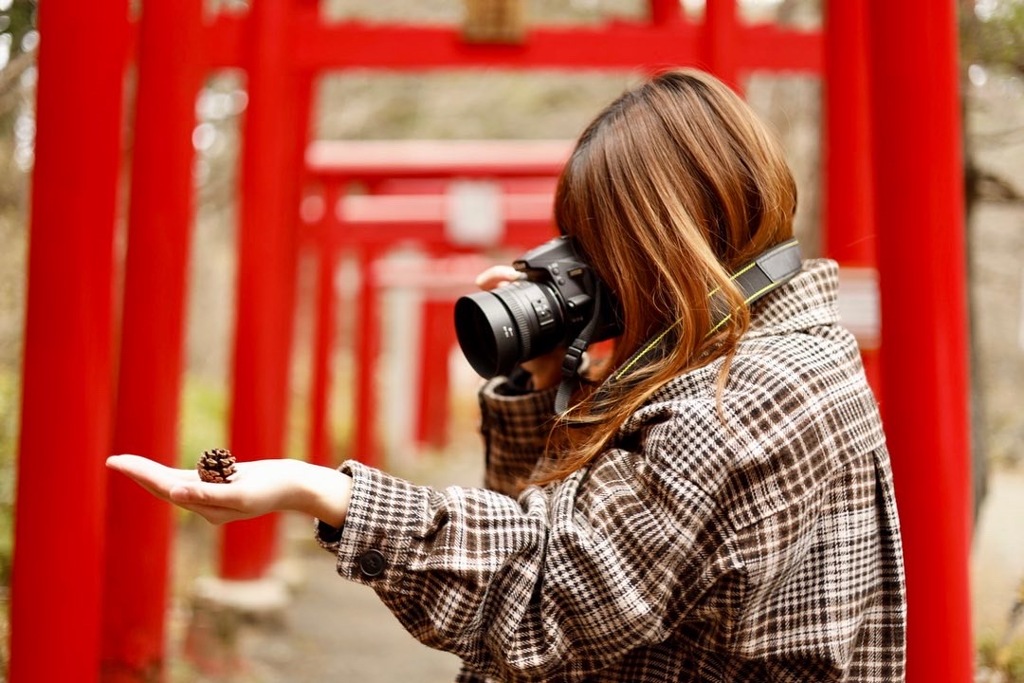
(515, 428)
(557, 585)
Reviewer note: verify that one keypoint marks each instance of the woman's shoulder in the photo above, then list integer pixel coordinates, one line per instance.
(796, 373)
(792, 412)
(777, 388)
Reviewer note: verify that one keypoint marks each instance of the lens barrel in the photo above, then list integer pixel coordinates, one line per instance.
(501, 328)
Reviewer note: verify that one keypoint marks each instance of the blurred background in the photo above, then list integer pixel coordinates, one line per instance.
(328, 629)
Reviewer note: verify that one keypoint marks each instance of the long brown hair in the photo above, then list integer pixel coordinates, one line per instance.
(673, 187)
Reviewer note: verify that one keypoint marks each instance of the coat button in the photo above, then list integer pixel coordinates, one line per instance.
(372, 563)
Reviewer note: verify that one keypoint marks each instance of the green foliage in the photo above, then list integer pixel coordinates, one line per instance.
(10, 404)
(16, 21)
(1003, 662)
(994, 36)
(204, 418)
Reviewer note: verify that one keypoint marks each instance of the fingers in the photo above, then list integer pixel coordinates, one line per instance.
(156, 478)
(213, 514)
(126, 463)
(205, 494)
(496, 276)
(217, 503)
(137, 465)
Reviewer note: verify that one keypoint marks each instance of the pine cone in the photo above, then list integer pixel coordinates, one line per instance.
(216, 465)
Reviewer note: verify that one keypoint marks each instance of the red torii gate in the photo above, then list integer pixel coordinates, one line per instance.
(406, 183)
(70, 421)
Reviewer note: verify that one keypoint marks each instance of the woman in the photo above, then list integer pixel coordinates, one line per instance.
(717, 503)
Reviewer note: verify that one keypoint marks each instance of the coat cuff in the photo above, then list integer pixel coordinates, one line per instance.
(518, 416)
(373, 545)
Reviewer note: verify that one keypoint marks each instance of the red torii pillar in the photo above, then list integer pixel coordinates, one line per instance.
(436, 342)
(324, 334)
(368, 345)
(139, 526)
(276, 121)
(918, 172)
(719, 35)
(67, 374)
(849, 198)
(721, 41)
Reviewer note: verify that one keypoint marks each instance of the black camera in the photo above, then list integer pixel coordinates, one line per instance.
(558, 297)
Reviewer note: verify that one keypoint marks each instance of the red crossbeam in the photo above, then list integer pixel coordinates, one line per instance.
(354, 44)
(371, 159)
(387, 220)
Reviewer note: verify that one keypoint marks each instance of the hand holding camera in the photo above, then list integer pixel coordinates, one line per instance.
(551, 306)
(546, 370)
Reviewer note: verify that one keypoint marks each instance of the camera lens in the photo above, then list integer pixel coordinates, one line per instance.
(503, 327)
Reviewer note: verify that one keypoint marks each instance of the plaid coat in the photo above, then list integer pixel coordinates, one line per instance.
(764, 550)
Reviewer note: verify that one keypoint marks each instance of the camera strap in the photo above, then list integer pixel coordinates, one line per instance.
(764, 274)
(574, 356)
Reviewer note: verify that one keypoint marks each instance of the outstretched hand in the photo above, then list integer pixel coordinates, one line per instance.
(257, 488)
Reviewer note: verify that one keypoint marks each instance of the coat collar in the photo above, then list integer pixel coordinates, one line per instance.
(806, 301)
(809, 300)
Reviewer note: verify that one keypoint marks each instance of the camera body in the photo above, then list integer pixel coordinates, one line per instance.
(558, 296)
